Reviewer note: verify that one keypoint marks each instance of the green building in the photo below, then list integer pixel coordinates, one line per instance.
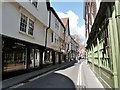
(103, 44)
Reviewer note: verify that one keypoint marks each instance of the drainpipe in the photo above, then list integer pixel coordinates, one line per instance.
(47, 29)
(44, 54)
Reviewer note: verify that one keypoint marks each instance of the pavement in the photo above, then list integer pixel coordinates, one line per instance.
(82, 76)
(87, 77)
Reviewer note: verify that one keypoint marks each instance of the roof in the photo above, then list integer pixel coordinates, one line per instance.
(53, 11)
(64, 21)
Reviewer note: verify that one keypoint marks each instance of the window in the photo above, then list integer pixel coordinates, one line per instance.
(56, 24)
(55, 38)
(31, 27)
(23, 23)
(52, 36)
(25, 26)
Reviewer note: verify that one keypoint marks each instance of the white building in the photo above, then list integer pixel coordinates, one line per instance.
(74, 48)
(32, 35)
(23, 33)
(67, 37)
(55, 38)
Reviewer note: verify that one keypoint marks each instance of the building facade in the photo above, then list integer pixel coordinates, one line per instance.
(23, 26)
(103, 44)
(67, 37)
(74, 48)
(55, 38)
(32, 36)
(70, 43)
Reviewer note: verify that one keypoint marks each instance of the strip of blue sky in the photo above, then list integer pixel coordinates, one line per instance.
(69, 0)
(76, 7)
(74, 10)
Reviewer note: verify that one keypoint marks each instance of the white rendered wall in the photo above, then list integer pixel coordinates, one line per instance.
(40, 12)
(11, 24)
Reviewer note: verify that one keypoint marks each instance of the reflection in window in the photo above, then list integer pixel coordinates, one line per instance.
(14, 57)
(31, 27)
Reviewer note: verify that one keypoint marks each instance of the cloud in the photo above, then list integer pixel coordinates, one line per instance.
(81, 33)
(74, 27)
(73, 18)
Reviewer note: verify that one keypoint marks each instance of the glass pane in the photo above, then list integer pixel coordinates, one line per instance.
(14, 57)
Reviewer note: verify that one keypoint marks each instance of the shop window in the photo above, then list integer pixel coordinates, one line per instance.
(14, 57)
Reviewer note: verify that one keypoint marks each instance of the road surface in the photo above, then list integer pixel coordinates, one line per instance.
(66, 78)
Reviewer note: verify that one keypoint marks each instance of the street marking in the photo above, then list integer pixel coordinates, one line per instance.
(16, 86)
(79, 76)
(79, 80)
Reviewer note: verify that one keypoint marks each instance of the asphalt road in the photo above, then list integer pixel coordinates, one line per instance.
(66, 78)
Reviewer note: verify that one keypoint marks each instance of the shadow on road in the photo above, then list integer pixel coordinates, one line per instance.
(52, 81)
(69, 65)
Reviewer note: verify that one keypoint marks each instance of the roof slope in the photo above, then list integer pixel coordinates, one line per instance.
(64, 21)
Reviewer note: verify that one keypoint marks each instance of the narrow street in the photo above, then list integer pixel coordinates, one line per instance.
(69, 77)
(72, 44)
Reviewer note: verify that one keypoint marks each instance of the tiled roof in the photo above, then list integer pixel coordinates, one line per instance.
(64, 21)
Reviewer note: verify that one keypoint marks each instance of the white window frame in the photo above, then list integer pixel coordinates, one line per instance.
(28, 26)
(21, 22)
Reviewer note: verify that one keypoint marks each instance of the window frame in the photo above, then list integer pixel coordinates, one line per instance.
(29, 26)
(57, 26)
(23, 23)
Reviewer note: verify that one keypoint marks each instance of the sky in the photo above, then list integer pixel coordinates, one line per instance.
(73, 10)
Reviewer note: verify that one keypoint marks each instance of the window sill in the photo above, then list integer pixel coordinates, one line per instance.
(26, 34)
